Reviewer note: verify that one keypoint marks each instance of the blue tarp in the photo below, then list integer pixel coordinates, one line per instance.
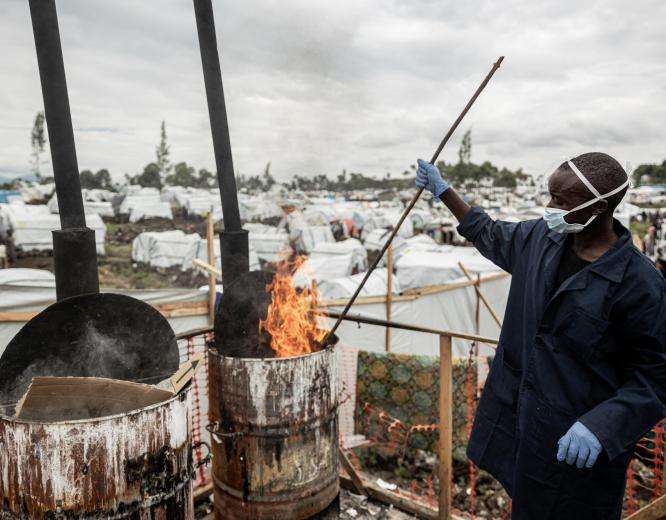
(5, 194)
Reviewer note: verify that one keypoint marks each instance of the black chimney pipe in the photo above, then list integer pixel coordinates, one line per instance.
(234, 239)
(74, 253)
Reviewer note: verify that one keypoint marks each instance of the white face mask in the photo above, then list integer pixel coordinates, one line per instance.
(554, 217)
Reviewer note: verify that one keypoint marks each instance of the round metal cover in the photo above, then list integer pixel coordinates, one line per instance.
(94, 335)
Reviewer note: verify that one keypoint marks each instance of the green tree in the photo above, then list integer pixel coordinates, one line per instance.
(268, 180)
(183, 175)
(162, 153)
(206, 179)
(149, 178)
(650, 173)
(88, 181)
(465, 150)
(37, 142)
(103, 178)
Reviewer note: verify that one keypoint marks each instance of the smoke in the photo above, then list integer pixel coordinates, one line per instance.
(104, 355)
(94, 354)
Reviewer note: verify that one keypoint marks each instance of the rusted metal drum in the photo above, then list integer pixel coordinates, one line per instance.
(136, 465)
(274, 425)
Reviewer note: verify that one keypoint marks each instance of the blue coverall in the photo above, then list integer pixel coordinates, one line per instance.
(592, 350)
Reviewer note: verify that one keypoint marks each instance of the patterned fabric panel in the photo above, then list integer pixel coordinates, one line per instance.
(397, 398)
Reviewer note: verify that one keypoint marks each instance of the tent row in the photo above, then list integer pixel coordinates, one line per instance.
(30, 226)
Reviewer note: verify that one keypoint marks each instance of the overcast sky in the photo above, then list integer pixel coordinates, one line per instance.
(366, 85)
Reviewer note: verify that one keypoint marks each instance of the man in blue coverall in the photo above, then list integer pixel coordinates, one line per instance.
(580, 370)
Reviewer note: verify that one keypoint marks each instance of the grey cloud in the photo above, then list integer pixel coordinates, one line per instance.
(321, 86)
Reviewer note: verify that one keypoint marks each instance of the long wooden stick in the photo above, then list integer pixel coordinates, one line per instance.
(481, 296)
(445, 448)
(389, 295)
(367, 320)
(356, 479)
(409, 207)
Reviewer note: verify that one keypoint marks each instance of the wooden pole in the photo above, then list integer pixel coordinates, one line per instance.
(356, 479)
(211, 260)
(389, 294)
(445, 426)
(481, 296)
(477, 317)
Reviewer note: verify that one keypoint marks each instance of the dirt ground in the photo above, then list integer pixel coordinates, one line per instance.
(116, 268)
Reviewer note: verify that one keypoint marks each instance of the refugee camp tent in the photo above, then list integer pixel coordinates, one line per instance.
(450, 306)
(332, 260)
(93, 202)
(309, 236)
(202, 254)
(143, 203)
(268, 242)
(166, 248)
(345, 287)
(386, 218)
(253, 208)
(31, 226)
(418, 268)
(320, 268)
(350, 246)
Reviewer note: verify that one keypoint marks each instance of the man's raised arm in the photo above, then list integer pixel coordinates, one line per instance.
(495, 239)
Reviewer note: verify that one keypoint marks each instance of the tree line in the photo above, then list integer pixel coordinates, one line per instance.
(161, 172)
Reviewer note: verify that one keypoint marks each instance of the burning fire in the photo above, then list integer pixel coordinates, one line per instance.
(292, 313)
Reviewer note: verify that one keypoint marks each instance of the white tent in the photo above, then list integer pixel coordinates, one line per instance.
(451, 307)
(92, 203)
(320, 268)
(202, 254)
(344, 287)
(31, 226)
(166, 248)
(258, 207)
(386, 218)
(269, 246)
(359, 260)
(422, 268)
(309, 237)
(144, 203)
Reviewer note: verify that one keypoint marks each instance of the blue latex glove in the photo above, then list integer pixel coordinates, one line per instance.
(579, 445)
(428, 177)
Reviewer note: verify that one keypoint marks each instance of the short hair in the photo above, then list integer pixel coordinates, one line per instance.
(604, 173)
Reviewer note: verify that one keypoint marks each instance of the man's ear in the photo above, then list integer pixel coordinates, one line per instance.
(599, 207)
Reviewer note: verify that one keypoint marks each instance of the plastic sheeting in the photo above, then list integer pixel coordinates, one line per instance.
(309, 237)
(94, 201)
(445, 310)
(202, 254)
(320, 268)
(269, 243)
(417, 268)
(31, 226)
(349, 246)
(345, 287)
(150, 210)
(144, 203)
(166, 248)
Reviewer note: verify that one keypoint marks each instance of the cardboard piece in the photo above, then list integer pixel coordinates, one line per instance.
(51, 399)
(185, 373)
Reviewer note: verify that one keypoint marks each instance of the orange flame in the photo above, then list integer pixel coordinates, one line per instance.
(292, 313)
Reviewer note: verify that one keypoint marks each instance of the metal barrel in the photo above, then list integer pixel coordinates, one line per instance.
(136, 465)
(274, 426)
